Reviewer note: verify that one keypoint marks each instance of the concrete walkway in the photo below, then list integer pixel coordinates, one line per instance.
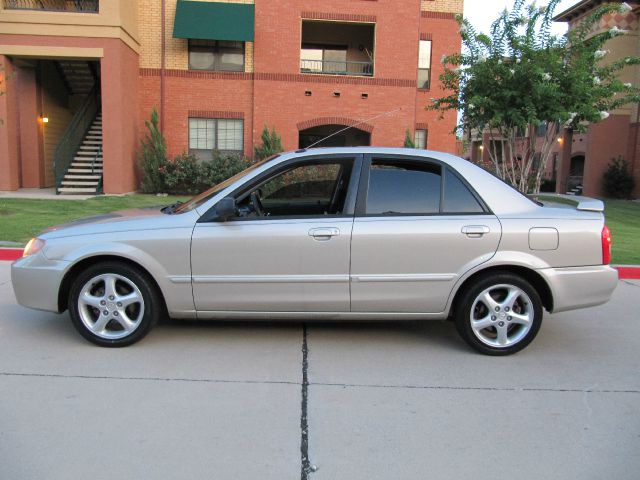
(40, 194)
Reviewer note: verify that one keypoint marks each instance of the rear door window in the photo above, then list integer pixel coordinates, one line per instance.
(400, 187)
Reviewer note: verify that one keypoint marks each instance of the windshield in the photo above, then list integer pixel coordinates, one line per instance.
(213, 191)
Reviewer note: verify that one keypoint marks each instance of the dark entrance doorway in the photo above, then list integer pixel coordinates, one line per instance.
(576, 174)
(352, 137)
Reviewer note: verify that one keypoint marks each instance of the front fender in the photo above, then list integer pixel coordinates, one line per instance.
(165, 259)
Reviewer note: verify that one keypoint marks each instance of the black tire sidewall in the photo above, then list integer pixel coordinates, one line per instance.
(149, 293)
(463, 312)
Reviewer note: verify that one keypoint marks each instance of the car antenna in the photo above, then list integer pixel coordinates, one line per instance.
(354, 125)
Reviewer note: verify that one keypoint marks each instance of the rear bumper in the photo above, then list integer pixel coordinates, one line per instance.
(580, 287)
(36, 281)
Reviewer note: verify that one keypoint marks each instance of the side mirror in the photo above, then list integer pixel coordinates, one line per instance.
(226, 208)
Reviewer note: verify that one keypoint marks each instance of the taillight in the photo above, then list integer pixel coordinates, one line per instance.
(606, 245)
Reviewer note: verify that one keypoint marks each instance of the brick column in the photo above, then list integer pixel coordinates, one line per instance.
(119, 117)
(31, 129)
(9, 128)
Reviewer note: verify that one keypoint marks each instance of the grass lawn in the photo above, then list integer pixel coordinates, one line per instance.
(21, 219)
(623, 218)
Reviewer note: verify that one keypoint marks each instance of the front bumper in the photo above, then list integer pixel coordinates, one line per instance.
(36, 281)
(580, 287)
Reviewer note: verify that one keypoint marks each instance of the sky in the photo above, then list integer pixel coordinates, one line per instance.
(482, 13)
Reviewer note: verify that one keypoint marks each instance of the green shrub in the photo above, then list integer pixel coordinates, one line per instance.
(187, 175)
(548, 185)
(271, 144)
(408, 141)
(617, 180)
(152, 157)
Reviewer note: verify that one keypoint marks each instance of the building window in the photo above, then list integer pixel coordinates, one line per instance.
(420, 139)
(209, 134)
(330, 59)
(424, 65)
(216, 55)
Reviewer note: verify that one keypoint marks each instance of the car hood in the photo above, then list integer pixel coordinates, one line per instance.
(150, 218)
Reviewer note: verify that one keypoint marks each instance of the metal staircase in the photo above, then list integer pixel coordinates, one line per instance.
(79, 77)
(84, 175)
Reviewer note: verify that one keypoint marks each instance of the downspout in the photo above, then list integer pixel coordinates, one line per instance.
(162, 66)
(635, 141)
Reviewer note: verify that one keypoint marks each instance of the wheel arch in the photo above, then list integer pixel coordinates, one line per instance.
(535, 279)
(86, 262)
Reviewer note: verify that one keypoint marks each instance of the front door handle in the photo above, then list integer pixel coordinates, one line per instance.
(475, 231)
(323, 234)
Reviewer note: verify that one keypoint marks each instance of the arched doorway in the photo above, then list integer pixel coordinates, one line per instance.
(352, 137)
(576, 174)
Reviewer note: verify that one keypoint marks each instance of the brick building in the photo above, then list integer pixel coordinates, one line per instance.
(579, 160)
(82, 76)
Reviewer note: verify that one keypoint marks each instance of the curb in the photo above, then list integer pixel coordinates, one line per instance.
(625, 272)
(10, 254)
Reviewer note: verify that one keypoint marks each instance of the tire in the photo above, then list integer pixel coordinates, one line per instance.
(499, 314)
(113, 304)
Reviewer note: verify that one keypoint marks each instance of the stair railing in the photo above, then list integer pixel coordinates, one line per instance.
(74, 135)
(94, 161)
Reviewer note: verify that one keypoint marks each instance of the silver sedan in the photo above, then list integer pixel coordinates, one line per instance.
(330, 234)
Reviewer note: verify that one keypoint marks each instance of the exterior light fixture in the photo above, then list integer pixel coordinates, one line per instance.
(559, 139)
(44, 119)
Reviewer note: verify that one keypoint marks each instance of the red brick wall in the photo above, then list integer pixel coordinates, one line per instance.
(274, 94)
(605, 141)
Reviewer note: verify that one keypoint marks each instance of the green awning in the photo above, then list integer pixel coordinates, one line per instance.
(214, 21)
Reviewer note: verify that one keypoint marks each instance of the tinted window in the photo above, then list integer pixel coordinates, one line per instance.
(398, 187)
(457, 197)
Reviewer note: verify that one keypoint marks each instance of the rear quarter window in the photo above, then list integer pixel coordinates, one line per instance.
(457, 196)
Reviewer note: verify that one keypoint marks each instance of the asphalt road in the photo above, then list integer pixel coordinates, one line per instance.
(383, 401)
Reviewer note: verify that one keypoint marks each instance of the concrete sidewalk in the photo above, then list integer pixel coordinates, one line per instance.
(385, 401)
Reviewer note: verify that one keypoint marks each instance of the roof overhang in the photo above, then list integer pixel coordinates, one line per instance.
(580, 8)
(214, 21)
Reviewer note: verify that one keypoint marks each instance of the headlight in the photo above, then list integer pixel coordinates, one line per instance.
(33, 247)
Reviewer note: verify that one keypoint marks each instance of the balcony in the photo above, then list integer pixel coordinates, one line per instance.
(74, 6)
(336, 48)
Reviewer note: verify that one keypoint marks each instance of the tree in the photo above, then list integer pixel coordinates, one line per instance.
(271, 144)
(521, 77)
(153, 157)
(408, 141)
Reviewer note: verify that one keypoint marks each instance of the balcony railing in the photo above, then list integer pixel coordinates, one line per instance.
(336, 67)
(77, 6)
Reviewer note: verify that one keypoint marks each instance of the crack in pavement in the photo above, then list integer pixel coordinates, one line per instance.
(630, 283)
(305, 465)
(491, 389)
(150, 379)
(306, 383)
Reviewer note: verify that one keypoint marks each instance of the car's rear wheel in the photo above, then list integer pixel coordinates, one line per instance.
(113, 304)
(499, 314)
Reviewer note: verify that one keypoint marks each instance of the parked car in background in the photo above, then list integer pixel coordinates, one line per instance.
(330, 234)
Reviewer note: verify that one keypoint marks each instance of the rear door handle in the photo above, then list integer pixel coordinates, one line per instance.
(475, 231)
(324, 233)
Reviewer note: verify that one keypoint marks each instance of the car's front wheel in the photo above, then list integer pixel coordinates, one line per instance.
(113, 304)
(499, 314)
